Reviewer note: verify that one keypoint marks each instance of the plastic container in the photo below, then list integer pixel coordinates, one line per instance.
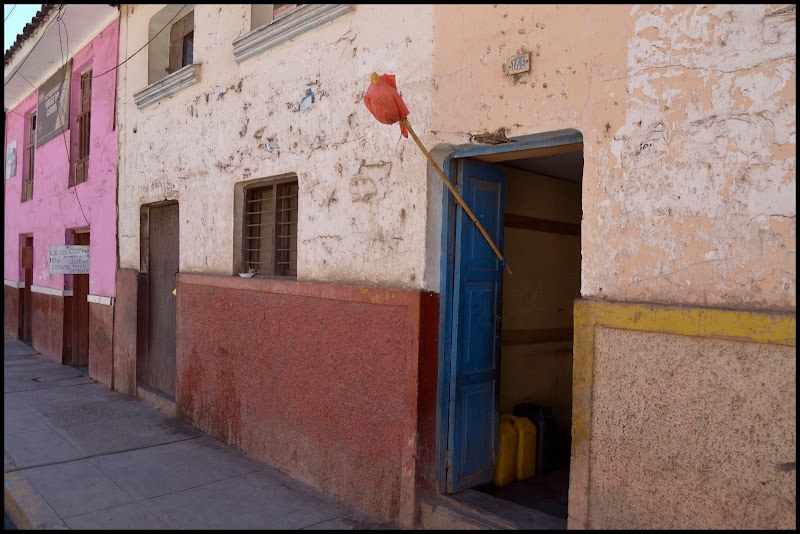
(526, 448)
(506, 469)
(546, 434)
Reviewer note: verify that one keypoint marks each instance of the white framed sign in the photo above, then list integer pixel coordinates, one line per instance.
(69, 259)
(11, 159)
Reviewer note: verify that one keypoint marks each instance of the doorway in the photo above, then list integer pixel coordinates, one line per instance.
(519, 338)
(79, 335)
(156, 364)
(26, 261)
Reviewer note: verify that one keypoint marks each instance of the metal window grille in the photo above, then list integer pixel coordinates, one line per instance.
(270, 229)
(30, 149)
(84, 118)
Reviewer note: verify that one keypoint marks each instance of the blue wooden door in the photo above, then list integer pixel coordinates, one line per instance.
(477, 292)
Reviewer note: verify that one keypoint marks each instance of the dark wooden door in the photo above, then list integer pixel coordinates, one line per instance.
(158, 370)
(27, 266)
(80, 310)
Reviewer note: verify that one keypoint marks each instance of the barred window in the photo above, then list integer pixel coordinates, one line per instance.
(270, 228)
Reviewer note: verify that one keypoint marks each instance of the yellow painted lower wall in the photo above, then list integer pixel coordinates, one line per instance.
(683, 418)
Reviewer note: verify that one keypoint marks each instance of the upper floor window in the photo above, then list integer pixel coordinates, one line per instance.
(181, 43)
(84, 119)
(274, 24)
(171, 37)
(30, 152)
(261, 14)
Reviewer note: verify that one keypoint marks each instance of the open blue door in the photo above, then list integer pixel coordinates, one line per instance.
(477, 293)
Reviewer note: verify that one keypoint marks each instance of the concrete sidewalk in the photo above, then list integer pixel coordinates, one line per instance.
(80, 456)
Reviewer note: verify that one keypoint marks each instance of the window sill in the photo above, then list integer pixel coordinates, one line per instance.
(167, 86)
(289, 27)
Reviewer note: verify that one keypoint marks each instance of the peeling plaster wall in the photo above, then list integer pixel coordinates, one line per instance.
(363, 189)
(688, 115)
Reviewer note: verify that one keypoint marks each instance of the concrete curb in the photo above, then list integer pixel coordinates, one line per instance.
(26, 507)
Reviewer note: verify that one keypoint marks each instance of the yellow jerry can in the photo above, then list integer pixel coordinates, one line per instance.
(526, 448)
(505, 470)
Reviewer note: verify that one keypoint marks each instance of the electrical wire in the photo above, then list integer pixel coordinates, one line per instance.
(58, 115)
(9, 13)
(34, 47)
(147, 43)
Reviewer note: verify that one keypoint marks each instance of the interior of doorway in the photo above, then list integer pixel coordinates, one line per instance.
(542, 244)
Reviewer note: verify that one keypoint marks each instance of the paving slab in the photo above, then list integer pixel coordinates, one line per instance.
(75, 488)
(174, 467)
(132, 516)
(78, 455)
(13, 348)
(39, 447)
(258, 500)
(117, 435)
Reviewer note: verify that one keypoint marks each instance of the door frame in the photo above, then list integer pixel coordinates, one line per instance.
(518, 148)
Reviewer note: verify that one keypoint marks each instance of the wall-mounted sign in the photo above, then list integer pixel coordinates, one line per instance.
(519, 64)
(69, 259)
(11, 159)
(53, 111)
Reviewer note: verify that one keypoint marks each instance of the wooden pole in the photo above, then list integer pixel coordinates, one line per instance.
(460, 200)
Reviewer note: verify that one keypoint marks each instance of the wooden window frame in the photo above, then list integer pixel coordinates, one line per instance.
(277, 12)
(180, 34)
(83, 119)
(30, 153)
(283, 223)
(187, 49)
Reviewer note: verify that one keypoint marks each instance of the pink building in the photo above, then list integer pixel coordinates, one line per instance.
(60, 185)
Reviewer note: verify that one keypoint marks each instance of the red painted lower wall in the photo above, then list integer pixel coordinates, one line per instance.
(101, 332)
(125, 331)
(318, 380)
(12, 318)
(49, 313)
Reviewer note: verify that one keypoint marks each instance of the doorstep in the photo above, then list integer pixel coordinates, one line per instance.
(473, 510)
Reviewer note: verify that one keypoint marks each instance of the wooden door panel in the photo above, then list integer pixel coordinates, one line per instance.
(474, 374)
(80, 308)
(27, 265)
(159, 371)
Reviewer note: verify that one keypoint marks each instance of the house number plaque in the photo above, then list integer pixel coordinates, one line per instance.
(519, 64)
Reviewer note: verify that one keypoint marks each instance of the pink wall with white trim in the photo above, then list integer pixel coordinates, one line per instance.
(56, 208)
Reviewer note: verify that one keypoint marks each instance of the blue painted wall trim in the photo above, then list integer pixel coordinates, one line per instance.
(449, 169)
(514, 146)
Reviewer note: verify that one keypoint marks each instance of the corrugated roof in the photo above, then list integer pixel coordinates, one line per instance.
(27, 31)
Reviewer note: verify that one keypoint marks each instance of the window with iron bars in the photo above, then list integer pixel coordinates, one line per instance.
(30, 152)
(270, 228)
(84, 118)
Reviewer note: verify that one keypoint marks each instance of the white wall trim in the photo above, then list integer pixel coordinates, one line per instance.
(51, 291)
(168, 85)
(13, 283)
(98, 299)
(279, 31)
